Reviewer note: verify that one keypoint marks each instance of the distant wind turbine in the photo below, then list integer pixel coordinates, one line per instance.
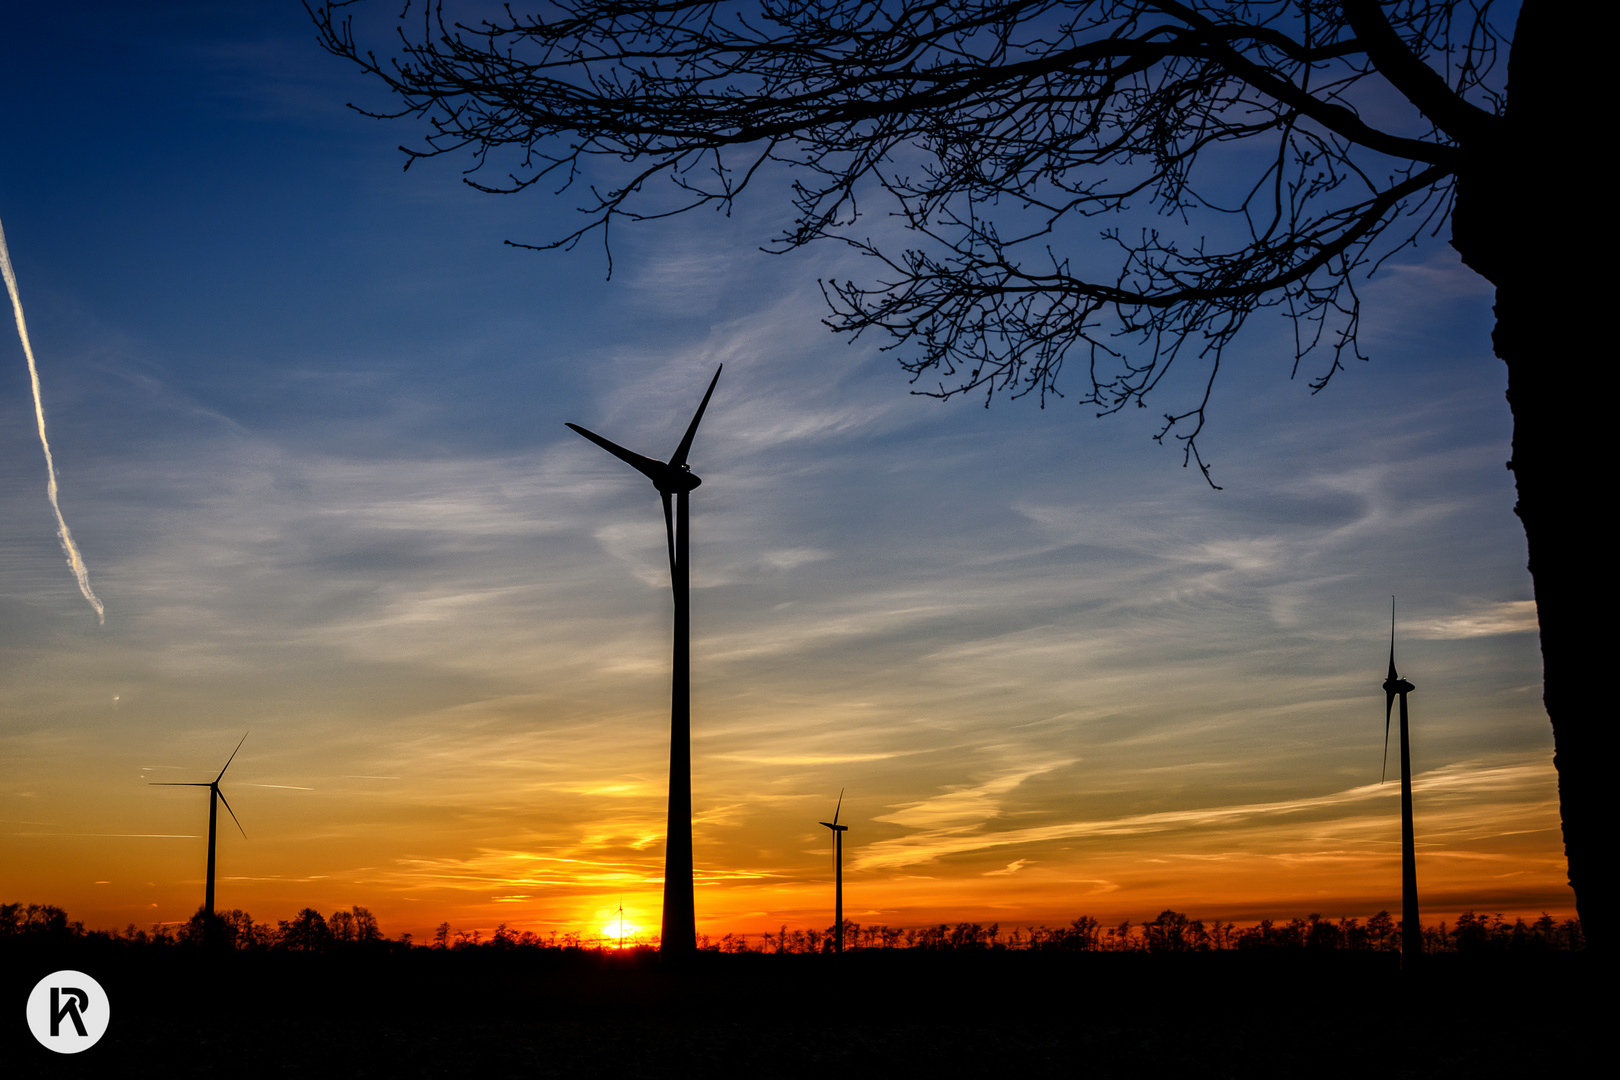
(838, 874)
(1411, 929)
(215, 797)
(675, 481)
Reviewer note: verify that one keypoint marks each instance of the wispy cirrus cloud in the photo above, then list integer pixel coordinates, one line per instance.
(963, 805)
(1465, 782)
(1507, 617)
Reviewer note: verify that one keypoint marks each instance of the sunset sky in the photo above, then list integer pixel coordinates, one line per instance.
(307, 412)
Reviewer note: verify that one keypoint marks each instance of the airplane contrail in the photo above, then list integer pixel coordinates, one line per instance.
(75, 560)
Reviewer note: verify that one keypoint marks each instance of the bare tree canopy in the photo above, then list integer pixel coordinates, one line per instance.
(1235, 157)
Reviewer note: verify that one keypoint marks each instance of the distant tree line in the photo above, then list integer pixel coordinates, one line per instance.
(307, 931)
(1170, 932)
(1173, 931)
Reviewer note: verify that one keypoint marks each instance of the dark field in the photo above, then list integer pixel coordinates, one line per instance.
(180, 1013)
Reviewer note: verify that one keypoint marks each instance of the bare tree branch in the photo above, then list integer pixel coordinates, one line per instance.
(1035, 114)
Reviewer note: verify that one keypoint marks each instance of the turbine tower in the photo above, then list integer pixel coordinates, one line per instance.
(1411, 929)
(215, 797)
(838, 874)
(675, 481)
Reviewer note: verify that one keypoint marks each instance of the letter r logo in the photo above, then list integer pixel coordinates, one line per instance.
(77, 1002)
(68, 1012)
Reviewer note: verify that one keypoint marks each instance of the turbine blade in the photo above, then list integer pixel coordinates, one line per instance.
(1392, 675)
(1388, 705)
(178, 783)
(686, 442)
(830, 825)
(1389, 690)
(229, 811)
(230, 759)
(669, 531)
(839, 807)
(652, 470)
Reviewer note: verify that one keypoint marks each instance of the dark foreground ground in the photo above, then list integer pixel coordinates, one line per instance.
(176, 1013)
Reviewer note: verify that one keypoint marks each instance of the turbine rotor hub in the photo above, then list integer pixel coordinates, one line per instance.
(678, 481)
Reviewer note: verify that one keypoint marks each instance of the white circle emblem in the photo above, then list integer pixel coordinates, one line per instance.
(68, 1012)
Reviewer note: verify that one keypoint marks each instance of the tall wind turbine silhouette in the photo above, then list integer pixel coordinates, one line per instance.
(1411, 929)
(838, 873)
(675, 481)
(215, 797)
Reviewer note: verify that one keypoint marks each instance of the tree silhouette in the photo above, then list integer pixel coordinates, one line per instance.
(1381, 928)
(340, 927)
(365, 926)
(33, 919)
(1081, 934)
(1173, 932)
(1242, 157)
(307, 932)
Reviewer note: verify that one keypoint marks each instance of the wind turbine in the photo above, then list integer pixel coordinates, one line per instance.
(675, 481)
(215, 797)
(838, 873)
(1411, 929)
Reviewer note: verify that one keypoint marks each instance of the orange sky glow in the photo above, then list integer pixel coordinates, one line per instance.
(307, 413)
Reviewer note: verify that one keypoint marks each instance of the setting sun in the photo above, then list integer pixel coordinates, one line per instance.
(618, 931)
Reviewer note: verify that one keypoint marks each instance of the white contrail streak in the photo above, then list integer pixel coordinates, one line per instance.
(80, 571)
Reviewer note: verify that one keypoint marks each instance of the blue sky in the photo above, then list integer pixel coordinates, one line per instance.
(307, 411)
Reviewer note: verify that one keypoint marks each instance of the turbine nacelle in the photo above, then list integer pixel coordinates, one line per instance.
(838, 809)
(1397, 686)
(212, 786)
(672, 478)
(677, 480)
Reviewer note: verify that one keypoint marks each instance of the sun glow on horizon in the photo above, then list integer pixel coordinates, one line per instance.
(612, 933)
(617, 928)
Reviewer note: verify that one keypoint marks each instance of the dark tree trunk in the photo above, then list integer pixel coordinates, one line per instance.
(1531, 216)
